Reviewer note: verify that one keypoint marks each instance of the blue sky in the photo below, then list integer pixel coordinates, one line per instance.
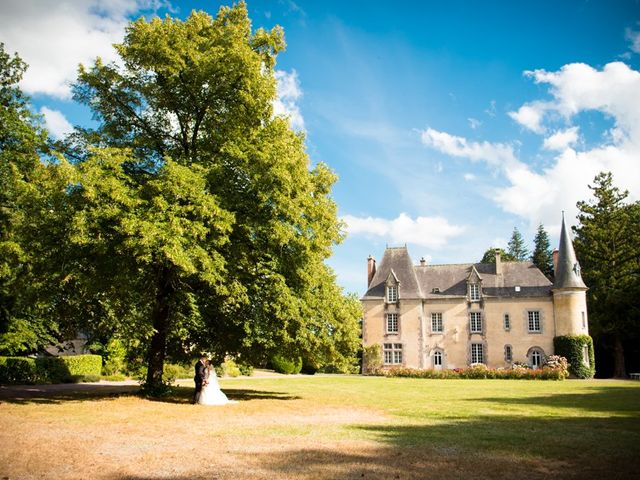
(448, 123)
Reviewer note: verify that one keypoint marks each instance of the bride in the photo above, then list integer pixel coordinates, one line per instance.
(211, 393)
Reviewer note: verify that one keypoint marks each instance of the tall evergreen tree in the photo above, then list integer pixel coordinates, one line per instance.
(517, 248)
(542, 256)
(608, 247)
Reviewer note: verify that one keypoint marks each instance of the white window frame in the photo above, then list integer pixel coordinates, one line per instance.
(536, 357)
(392, 325)
(437, 326)
(477, 353)
(392, 353)
(474, 292)
(534, 321)
(438, 359)
(475, 320)
(392, 293)
(506, 322)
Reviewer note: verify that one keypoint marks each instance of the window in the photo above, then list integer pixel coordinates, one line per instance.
(477, 354)
(436, 322)
(392, 323)
(536, 358)
(534, 321)
(507, 322)
(475, 322)
(508, 354)
(584, 320)
(392, 353)
(474, 292)
(437, 359)
(392, 294)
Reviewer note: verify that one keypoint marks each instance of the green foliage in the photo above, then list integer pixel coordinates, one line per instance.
(517, 249)
(172, 372)
(490, 256)
(66, 369)
(245, 369)
(607, 245)
(572, 348)
(229, 368)
(18, 371)
(371, 359)
(476, 372)
(542, 256)
(113, 357)
(285, 365)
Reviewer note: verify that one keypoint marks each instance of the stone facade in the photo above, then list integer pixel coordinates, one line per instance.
(452, 316)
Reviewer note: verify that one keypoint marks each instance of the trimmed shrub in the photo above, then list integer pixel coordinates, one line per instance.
(17, 371)
(246, 370)
(229, 368)
(371, 359)
(572, 347)
(478, 371)
(284, 365)
(67, 369)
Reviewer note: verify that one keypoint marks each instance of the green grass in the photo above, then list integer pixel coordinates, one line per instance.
(314, 427)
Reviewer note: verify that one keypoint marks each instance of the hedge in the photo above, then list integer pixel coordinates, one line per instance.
(66, 369)
(571, 347)
(477, 372)
(287, 366)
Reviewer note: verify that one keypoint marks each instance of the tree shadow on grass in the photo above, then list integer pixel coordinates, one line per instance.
(59, 393)
(184, 395)
(55, 394)
(489, 448)
(619, 400)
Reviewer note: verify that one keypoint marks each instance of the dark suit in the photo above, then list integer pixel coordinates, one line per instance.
(201, 372)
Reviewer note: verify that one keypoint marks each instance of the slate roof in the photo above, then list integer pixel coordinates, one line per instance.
(568, 271)
(420, 281)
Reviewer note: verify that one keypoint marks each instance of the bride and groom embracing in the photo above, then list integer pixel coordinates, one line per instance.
(207, 389)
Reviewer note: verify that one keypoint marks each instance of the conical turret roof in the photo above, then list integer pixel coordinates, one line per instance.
(567, 273)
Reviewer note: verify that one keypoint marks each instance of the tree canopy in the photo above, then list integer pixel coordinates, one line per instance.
(608, 248)
(490, 255)
(191, 218)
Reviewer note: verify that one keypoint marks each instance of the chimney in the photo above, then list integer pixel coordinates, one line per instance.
(371, 269)
(423, 262)
(555, 261)
(498, 262)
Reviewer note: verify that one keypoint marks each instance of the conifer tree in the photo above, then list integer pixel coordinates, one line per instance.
(517, 248)
(608, 247)
(542, 256)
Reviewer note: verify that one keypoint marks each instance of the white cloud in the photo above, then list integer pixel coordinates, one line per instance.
(469, 177)
(491, 111)
(561, 139)
(430, 232)
(530, 116)
(56, 122)
(54, 37)
(495, 154)
(539, 196)
(634, 40)
(289, 92)
(474, 123)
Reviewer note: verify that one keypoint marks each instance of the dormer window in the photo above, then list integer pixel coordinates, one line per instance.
(392, 293)
(474, 292)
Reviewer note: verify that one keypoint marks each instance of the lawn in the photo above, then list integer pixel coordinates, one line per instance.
(331, 427)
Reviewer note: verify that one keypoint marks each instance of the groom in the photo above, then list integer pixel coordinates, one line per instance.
(201, 371)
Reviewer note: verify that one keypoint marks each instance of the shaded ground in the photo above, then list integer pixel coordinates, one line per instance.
(326, 428)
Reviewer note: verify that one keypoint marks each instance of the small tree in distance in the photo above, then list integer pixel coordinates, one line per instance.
(542, 256)
(517, 248)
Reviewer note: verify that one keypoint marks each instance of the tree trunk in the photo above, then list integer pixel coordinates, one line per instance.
(619, 369)
(160, 319)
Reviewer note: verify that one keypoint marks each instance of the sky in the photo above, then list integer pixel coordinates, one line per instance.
(449, 124)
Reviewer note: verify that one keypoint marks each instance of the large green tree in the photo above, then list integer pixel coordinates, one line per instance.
(22, 144)
(489, 255)
(608, 247)
(542, 256)
(517, 248)
(197, 208)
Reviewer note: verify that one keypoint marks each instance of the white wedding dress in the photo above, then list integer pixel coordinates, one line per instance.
(211, 393)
